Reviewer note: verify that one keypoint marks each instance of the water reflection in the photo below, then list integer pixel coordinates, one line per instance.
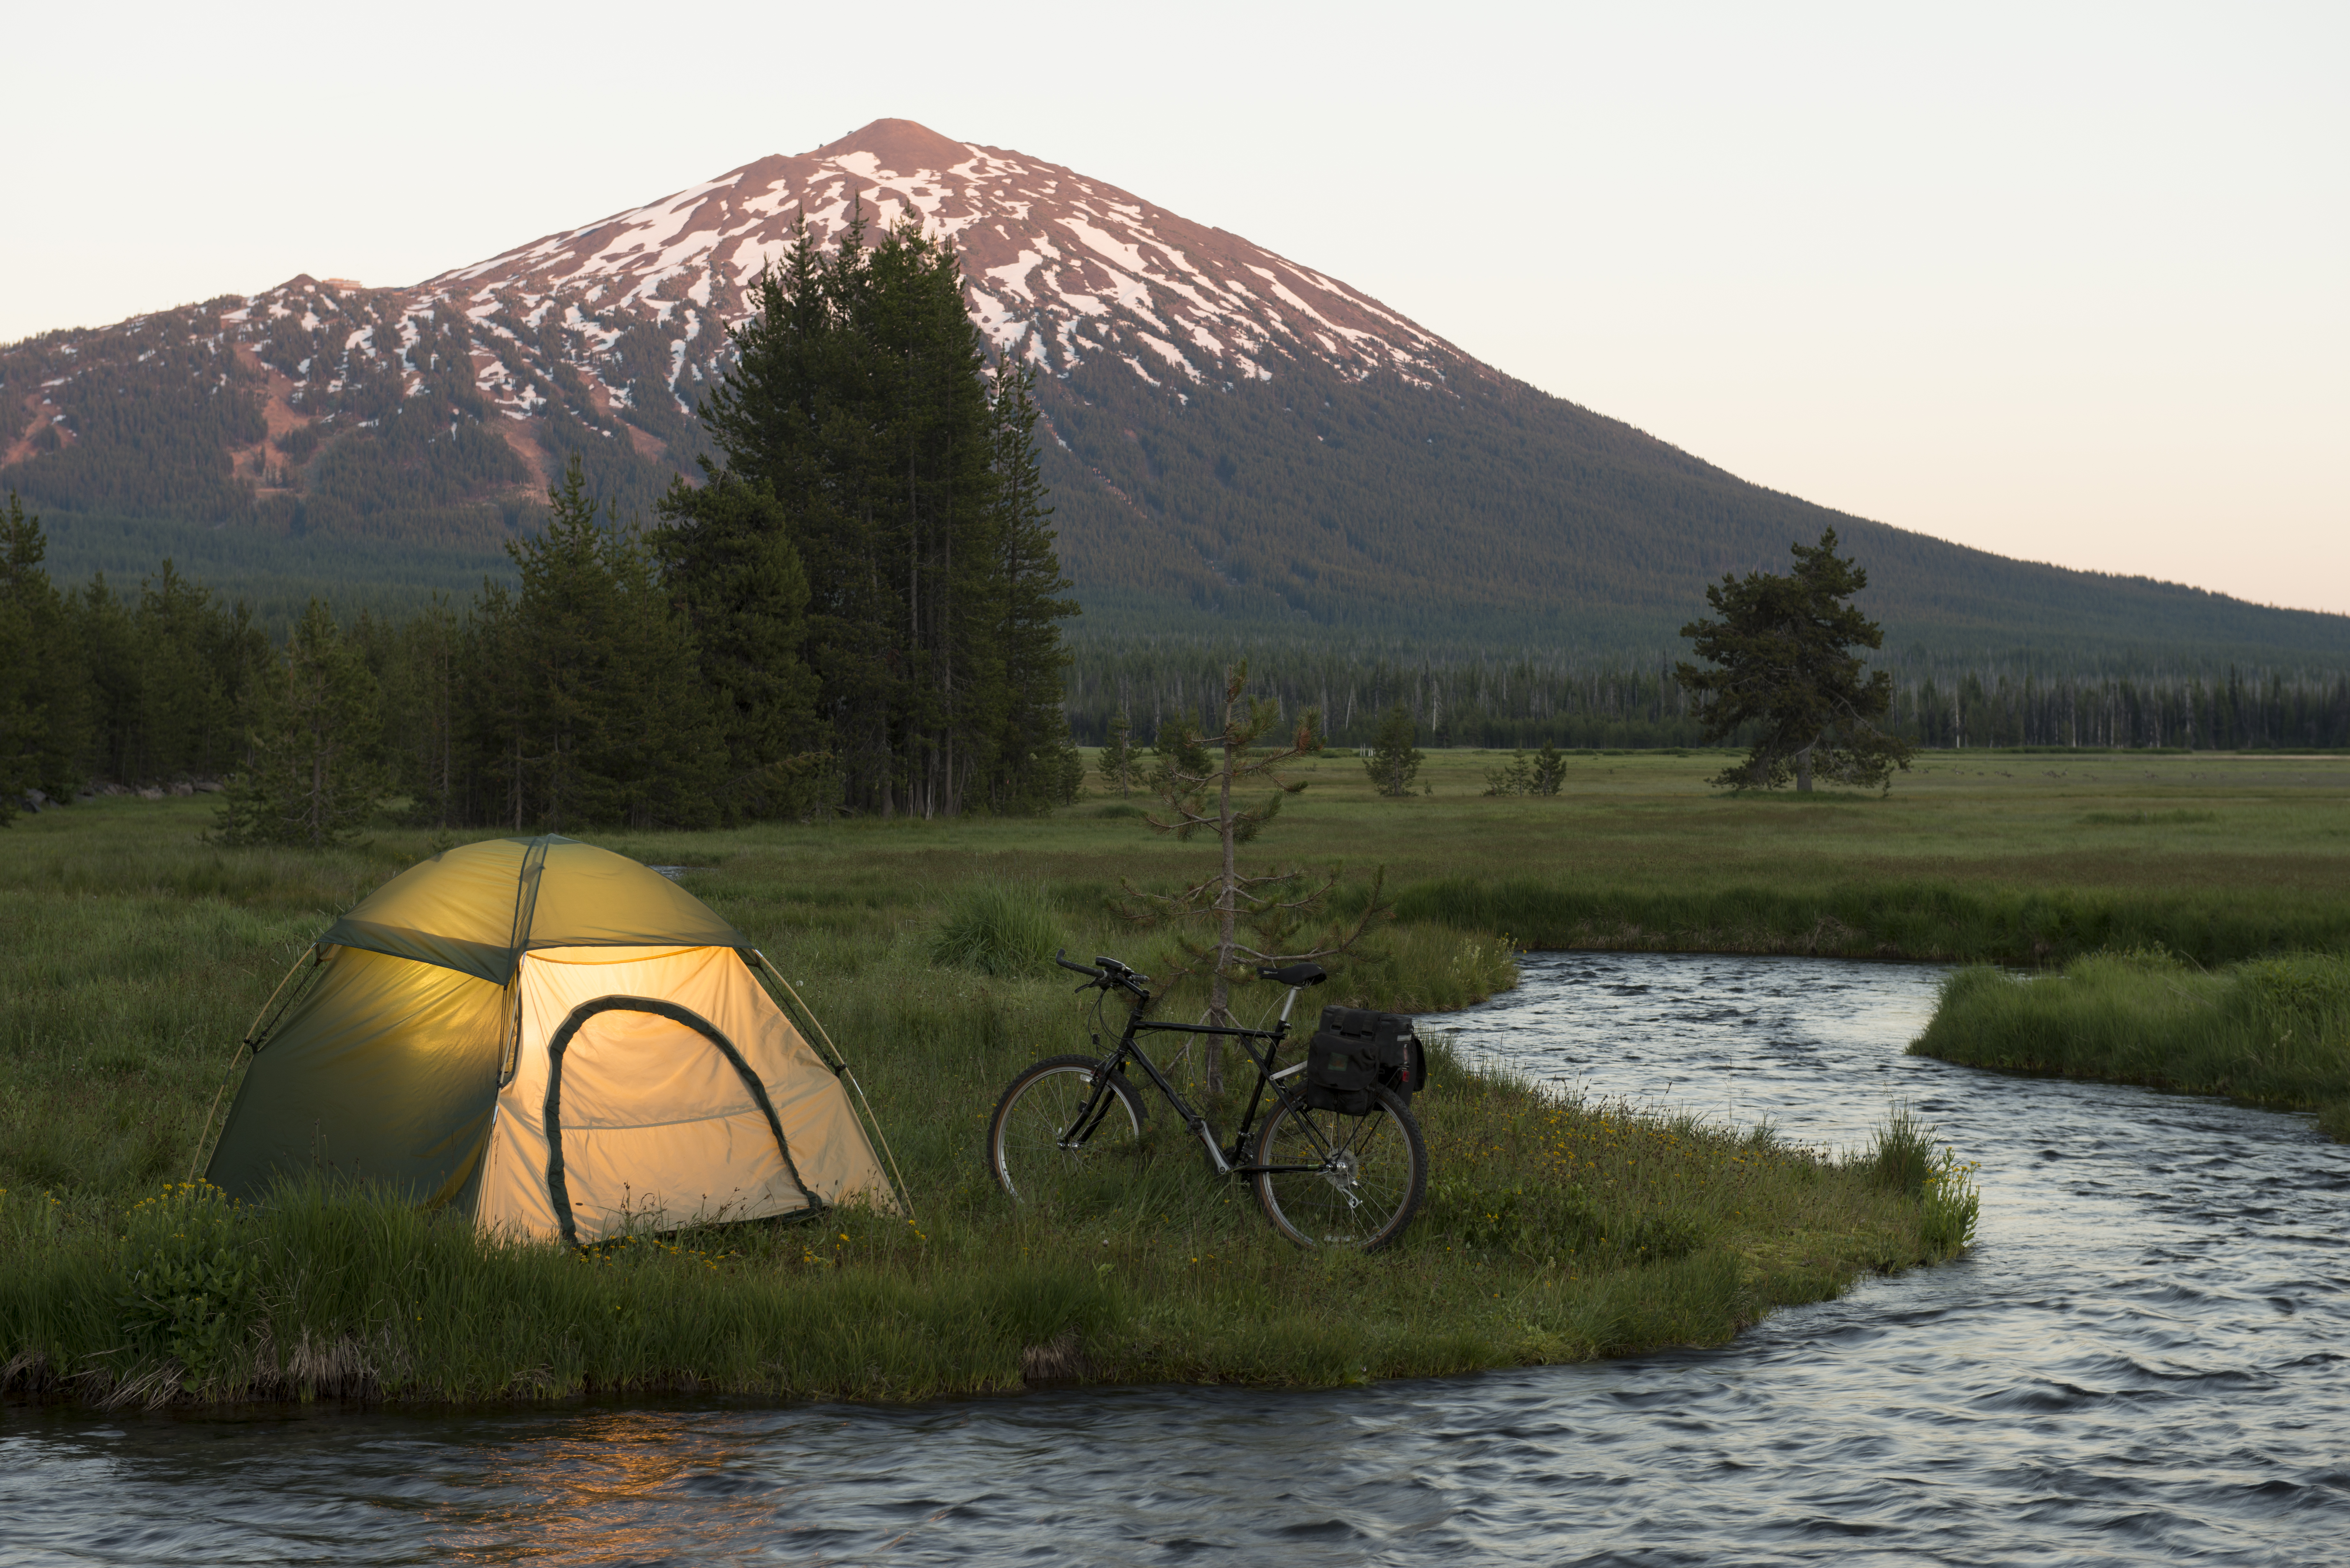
(2146, 1358)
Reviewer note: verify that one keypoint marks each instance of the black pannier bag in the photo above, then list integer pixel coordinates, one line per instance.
(1355, 1048)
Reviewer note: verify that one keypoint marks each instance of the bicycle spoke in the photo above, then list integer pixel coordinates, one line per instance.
(1038, 1150)
(1363, 1177)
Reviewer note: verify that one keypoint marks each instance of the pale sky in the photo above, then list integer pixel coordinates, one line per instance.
(2068, 282)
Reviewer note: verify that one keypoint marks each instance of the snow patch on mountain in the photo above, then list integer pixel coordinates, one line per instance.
(611, 316)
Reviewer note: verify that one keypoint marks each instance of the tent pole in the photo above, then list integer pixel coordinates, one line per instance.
(903, 1196)
(241, 1044)
(839, 1062)
(197, 1157)
(311, 952)
(840, 1066)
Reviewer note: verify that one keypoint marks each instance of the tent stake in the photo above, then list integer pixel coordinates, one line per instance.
(840, 1065)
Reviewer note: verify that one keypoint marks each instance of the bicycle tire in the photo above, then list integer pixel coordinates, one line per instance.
(1374, 1175)
(1024, 1153)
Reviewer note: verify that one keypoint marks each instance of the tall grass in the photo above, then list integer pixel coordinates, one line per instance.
(2270, 1031)
(1564, 1229)
(1882, 918)
(1000, 928)
(325, 1292)
(1905, 1160)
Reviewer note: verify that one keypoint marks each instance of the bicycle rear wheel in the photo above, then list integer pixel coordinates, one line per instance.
(1367, 1173)
(1030, 1151)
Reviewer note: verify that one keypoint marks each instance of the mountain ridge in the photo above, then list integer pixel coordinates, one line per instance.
(1237, 442)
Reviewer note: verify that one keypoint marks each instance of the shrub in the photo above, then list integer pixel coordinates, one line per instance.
(1904, 1160)
(999, 929)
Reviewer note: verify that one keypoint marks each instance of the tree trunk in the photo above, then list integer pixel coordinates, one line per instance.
(1220, 987)
(1804, 768)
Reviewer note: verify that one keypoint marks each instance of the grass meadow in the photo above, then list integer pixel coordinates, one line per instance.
(134, 955)
(2267, 1032)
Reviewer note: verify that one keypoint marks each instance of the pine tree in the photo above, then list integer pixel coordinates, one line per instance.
(419, 667)
(587, 704)
(311, 777)
(1549, 770)
(168, 676)
(1121, 759)
(1514, 777)
(1395, 756)
(728, 564)
(1781, 660)
(1196, 777)
(906, 478)
(44, 704)
(1041, 766)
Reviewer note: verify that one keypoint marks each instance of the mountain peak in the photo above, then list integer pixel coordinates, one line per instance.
(1060, 270)
(898, 146)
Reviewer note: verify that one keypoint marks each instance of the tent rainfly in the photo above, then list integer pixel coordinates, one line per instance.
(554, 1040)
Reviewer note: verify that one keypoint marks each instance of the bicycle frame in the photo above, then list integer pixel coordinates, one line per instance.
(1226, 1163)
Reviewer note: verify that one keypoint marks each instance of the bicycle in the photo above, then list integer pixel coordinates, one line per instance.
(1323, 1178)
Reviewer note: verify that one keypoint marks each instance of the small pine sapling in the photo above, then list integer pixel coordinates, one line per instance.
(1549, 770)
(1395, 756)
(1514, 777)
(1121, 760)
(1270, 916)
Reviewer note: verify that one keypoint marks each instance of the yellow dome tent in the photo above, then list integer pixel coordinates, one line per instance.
(555, 1040)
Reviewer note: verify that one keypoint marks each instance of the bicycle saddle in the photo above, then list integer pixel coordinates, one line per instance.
(1296, 974)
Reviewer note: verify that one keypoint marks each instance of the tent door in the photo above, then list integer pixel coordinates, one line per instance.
(654, 1120)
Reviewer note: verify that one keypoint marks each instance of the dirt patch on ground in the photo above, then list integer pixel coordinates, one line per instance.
(525, 447)
(277, 415)
(36, 415)
(277, 410)
(650, 447)
(645, 444)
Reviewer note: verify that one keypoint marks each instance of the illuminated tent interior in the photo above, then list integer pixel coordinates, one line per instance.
(554, 1040)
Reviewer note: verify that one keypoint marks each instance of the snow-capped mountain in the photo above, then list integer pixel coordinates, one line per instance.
(440, 409)
(1061, 270)
(1238, 445)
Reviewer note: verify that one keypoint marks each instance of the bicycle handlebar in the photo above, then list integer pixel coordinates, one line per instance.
(1104, 972)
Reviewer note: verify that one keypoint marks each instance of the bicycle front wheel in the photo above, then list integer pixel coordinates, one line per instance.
(1039, 1154)
(1352, 1181)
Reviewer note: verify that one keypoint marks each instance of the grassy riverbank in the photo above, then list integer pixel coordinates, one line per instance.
(132, 955)
(1557, 1232)
(2273, 1032)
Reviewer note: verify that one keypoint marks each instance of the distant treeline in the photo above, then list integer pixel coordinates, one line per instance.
(1475, 699)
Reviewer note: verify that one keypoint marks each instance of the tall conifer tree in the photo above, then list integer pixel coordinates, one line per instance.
(311, 776)
(1781, 659)
(589, 705)
(861, 401)
(729, 565)
(43, 707)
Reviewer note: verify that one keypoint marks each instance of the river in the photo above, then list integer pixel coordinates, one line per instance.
(2145, 1358)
